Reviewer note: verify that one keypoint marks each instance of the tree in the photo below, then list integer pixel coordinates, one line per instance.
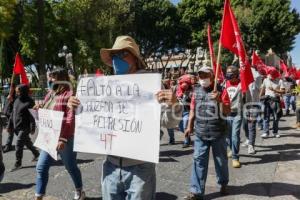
(7, 12)
(264, 23)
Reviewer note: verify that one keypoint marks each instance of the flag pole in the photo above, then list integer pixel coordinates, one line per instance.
(217, 67)
(11, 90)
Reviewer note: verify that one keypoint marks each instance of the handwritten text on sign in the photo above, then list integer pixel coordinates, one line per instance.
(50, 123)
(119, 115)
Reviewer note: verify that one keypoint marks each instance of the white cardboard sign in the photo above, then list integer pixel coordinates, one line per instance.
(50, 123)
(119, 115)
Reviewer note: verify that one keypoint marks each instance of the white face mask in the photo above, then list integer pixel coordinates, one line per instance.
(205, 82)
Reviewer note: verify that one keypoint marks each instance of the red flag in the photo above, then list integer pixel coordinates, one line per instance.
(284, 68)
(297, 75)
(99, 72)
(212, 55)
(292, 72)
(20, 70)
(231, 39)
(260, 65)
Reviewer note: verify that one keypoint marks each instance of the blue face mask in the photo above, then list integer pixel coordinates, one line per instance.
(120, 66)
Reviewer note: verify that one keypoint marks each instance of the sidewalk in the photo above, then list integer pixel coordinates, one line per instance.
(273, 173)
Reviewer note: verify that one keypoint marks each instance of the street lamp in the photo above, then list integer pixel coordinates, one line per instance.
(68, 58)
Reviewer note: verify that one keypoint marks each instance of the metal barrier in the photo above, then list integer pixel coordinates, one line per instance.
(37, 94)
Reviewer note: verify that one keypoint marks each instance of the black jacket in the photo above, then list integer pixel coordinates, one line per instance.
(20, 118)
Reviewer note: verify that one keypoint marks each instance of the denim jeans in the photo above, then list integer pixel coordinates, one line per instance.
(68, 157)
(289, 100)
(183, 125)
(234, 123)
(268, 111)
(200, 163)
(250, 131)
(135, 182)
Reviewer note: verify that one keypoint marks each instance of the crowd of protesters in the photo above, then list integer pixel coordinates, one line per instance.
(216, 113)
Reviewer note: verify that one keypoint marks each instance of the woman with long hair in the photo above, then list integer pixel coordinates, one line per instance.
(57, 99)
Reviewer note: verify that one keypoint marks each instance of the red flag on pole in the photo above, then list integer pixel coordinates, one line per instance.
(260, 65)
(284, 68)
(292, 72)
(231, 39)
(212, 55)
(20, 70)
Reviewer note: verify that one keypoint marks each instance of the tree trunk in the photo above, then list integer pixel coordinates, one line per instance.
(41, 44)
(1, 59)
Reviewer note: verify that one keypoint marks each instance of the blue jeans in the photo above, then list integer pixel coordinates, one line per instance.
(250, 131)
(183, 125)
(135, 182)
(234, 123)
(268, 111)
(289, 100)
(200, 163)
(68, 157)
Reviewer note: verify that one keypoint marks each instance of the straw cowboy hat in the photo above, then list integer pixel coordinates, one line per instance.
(122, 43)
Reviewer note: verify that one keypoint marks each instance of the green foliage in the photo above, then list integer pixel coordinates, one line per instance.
(7, 11)
(86, 26)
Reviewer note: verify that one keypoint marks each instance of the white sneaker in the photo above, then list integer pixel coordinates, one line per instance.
(277, 135)
(246, 143)
(264, 135)
(251, 149)
(272, 135)
(79, 195)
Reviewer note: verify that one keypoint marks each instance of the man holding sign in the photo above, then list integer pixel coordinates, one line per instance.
(124, 178)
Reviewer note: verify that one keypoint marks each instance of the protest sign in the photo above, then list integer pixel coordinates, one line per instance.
(119, 115)
(50, 123)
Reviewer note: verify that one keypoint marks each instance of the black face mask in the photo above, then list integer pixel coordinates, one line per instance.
(230, 76)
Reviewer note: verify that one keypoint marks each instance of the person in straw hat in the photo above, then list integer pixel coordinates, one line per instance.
(125, 178)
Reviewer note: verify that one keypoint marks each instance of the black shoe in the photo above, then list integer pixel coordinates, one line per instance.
(193, 196)
(35, 158)
(185, 145)
(7, 148)
(16, 167)
(223, 190)
(2, 170)
(172, 142)
(287, 113)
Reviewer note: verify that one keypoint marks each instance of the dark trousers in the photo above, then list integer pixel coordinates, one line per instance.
(24, 139)
(10, 139)
(1, 129)
(298, 114)
(2, 167)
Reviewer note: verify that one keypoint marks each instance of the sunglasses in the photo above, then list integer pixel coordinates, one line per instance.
(120, 54)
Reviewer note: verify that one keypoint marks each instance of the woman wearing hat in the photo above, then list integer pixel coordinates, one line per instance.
(124, 178)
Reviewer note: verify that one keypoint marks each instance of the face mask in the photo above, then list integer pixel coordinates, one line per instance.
(120, 66)
(50, 84)
(230, 76)
(205, 82)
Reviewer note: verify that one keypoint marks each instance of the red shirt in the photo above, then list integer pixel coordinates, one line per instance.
(224, 99)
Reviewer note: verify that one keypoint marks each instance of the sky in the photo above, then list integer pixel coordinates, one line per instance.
(296, 51)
